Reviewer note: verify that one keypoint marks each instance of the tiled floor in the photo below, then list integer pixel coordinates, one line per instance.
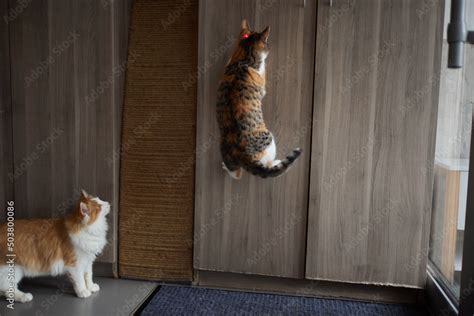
(56, 297)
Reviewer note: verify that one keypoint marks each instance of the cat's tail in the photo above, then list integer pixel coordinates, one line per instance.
(258, 169)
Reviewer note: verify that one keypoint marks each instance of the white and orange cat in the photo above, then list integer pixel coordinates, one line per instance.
(51, 247)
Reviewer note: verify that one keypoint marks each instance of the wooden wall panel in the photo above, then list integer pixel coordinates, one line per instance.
(6, 185)
(376, 85)
(67, 83)
(255, 225)
(158, 152)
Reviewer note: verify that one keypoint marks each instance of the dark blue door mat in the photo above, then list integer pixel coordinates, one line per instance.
(181, 300)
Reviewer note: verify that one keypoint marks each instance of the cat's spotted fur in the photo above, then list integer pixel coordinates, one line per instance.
(245, 140)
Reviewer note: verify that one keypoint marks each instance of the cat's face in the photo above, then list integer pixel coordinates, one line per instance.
(92, 208)
(254, 42)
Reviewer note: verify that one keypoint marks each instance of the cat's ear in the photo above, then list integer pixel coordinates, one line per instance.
(265, 33)
(84, 194)
(84, 209)
(245, 25)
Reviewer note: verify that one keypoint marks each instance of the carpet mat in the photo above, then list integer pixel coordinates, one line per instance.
(177, 300)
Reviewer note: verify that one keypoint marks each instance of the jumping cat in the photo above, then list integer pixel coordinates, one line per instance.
(245, 140)
(51, 247)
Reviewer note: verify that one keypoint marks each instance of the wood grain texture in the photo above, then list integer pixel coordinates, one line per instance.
(159, 118)
(301, 287)
(255, 225)
(376, 85)
(6, 185)
(444, 221)
(66, 88)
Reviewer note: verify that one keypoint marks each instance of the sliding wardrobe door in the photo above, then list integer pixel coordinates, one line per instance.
(377, 73)
(255, 225)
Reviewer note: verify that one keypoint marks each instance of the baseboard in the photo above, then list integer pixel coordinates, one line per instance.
(300, 287)
(106, 269)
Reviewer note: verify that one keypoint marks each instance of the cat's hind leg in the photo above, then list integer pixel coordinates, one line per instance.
(230, 165)
(10, 277)
(236, 174)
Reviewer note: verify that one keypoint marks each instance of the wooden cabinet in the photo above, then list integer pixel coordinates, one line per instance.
(377, 75)
(355, 85)
(254, 225)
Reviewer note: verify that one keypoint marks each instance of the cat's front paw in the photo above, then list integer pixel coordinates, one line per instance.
(24, 297)
(83, 293)
(94, 287)
(224, 167)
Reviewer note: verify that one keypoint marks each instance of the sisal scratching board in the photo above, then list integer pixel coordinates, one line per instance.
(158, 142)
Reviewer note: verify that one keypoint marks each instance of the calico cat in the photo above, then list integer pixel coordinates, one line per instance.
(50, 247)
(245, 140)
